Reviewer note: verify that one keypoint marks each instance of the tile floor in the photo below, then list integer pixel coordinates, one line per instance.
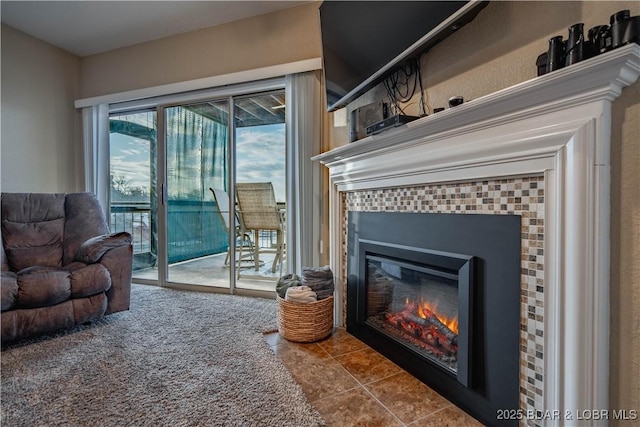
(350, 384)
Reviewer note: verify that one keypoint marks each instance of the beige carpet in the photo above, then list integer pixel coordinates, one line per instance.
(176, 358)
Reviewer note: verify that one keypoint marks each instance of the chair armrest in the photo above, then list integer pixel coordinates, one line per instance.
(93, 249)
(119, 262)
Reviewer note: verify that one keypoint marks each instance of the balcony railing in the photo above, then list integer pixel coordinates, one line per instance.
(134, 218)
(195, 229)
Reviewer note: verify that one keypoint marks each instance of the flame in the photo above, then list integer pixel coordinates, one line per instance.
(452, 323)
(432, 307)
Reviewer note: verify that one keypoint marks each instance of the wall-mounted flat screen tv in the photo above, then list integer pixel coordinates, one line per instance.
(362, 41)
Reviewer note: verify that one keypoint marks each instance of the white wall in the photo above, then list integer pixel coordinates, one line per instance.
(40, 142)
(275, 38)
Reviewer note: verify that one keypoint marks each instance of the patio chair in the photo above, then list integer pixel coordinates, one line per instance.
(243, 237)
(259, 212)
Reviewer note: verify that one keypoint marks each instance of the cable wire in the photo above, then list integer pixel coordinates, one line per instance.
(401, 86)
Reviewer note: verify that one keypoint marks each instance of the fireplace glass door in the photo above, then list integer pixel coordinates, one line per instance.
(414, 301)
(415, 305)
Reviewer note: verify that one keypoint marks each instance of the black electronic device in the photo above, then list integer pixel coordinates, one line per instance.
(576, 47)
(390, 122)
(364, 41)
(454, 101)
(365, 116)
(600, 38)
(625, 29)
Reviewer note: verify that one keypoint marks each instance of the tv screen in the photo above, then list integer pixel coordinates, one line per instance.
(362, 41)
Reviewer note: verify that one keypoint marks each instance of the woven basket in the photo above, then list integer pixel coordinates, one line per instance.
(305, 322)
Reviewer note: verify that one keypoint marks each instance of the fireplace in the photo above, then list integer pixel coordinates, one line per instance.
(540, 148)
(420, 300)
(439, 294)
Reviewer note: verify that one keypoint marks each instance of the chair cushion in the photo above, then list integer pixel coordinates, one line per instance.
(87, 280)
(42, 286)
(84, 219)
(33, 229)
(9, 286)
(30, 244)
(28, 322)
(4, 265)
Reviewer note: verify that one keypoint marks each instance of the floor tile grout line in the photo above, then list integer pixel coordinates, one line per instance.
(377, 352)
(366, 390)
(333, 359)
(313, 402)
(384, 406)
(360, 384)
(450, 405)
(323, 349)
(364, 385)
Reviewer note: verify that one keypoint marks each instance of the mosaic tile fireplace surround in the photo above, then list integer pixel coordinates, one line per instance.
(540, 150)
(522, 196)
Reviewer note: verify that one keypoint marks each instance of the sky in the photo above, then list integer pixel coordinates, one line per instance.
(260, 154)
(130, 159)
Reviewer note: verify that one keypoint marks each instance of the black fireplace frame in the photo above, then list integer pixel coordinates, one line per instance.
(443, 263)
(495, 243)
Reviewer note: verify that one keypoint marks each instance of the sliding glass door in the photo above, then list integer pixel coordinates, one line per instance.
(197, 162)
(133, 175)
(179, 194)
(260, 186)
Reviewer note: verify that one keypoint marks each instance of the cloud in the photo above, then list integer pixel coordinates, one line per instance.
(130, 159)
(260, 157)
(132, 152)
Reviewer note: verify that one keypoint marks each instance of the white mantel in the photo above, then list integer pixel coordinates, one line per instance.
(557, 125)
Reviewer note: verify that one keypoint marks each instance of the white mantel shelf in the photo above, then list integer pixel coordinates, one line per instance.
(601, 78)
(557, 125)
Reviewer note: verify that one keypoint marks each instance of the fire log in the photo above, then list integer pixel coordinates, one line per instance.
(429, 330)
(430, 320)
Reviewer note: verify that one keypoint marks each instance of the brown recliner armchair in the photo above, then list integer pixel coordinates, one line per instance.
(60, 265)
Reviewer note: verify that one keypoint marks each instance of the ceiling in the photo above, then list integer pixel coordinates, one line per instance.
(256, 110)
(89, 27)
